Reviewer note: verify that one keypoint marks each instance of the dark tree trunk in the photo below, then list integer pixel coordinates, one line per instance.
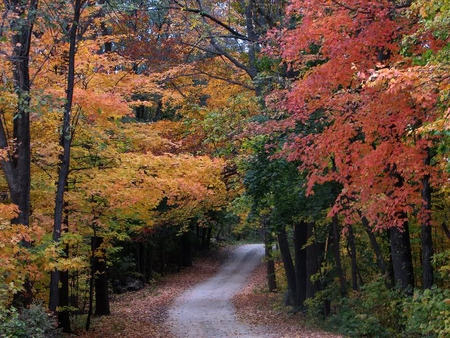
(63, 313)
(65, 142)
(288, 266)
(270, 268)
(426, 233)
(389, 259)
(351, 249)
(144, 259)
(162, 267)
(140, 257)
(337, 256)
(401, 257)
(382, 265)
(314, 257)
(75, 286)
(91, 282)
(203, 245)
(400, 245)
(101, 278)
(270, 264)
(149, 261)
(208, 237)
(300, 239)
(185, 249)
(16, 169)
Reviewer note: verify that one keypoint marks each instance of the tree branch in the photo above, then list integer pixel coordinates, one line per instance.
(246, 86)
(234, 61)
(210, 17)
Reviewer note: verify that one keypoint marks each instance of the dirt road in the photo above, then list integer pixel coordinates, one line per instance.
(205, 311)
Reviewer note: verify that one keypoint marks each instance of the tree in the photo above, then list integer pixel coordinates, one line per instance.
(276, 188)
(66, 143)
(17, 27)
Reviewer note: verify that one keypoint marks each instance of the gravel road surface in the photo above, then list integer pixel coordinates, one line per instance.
(206, 311)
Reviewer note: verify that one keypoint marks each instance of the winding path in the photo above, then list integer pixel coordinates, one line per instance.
(206, 311)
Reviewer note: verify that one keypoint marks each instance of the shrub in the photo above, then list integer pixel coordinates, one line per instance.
(353, 321)
(33, 322)
(373, 311)
(427, 313)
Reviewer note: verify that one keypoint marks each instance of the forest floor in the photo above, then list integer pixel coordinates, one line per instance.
(144, 313)
(256, 306)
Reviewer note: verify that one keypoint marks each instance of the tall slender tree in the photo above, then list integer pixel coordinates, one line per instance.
(21, 16)
(65, 142)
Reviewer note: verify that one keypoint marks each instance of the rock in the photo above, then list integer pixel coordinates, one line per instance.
(134, 285)
(127, 285)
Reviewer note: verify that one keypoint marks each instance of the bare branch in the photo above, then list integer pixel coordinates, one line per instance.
(212, 18)
(246, 86)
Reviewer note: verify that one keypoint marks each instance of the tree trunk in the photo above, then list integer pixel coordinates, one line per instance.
(162, 267)
(149, 261)
(270, 268)
(270, 265)
(300, 239)
(208, 237)
(400, 245)
(65, 142)
(185, 249)
(140, 257)
(402, 258)
(91, 282)
(101, 278)
(314, 253)
(63, 313)
(426, 233)
(288, 266)
(337, 256)
(203, 245)
(17, 168)
(382, 265)
(351, 249)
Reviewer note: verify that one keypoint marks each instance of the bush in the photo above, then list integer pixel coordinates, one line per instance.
(373, 311)
(33, 322)
(354, 322)
(427, 313)
(377, 311)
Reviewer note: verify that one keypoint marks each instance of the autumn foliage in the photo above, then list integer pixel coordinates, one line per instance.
(322, 122)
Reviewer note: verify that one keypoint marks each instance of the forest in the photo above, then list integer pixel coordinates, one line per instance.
(137, 134)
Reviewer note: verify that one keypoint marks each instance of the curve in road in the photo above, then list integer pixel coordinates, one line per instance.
(206, 310)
